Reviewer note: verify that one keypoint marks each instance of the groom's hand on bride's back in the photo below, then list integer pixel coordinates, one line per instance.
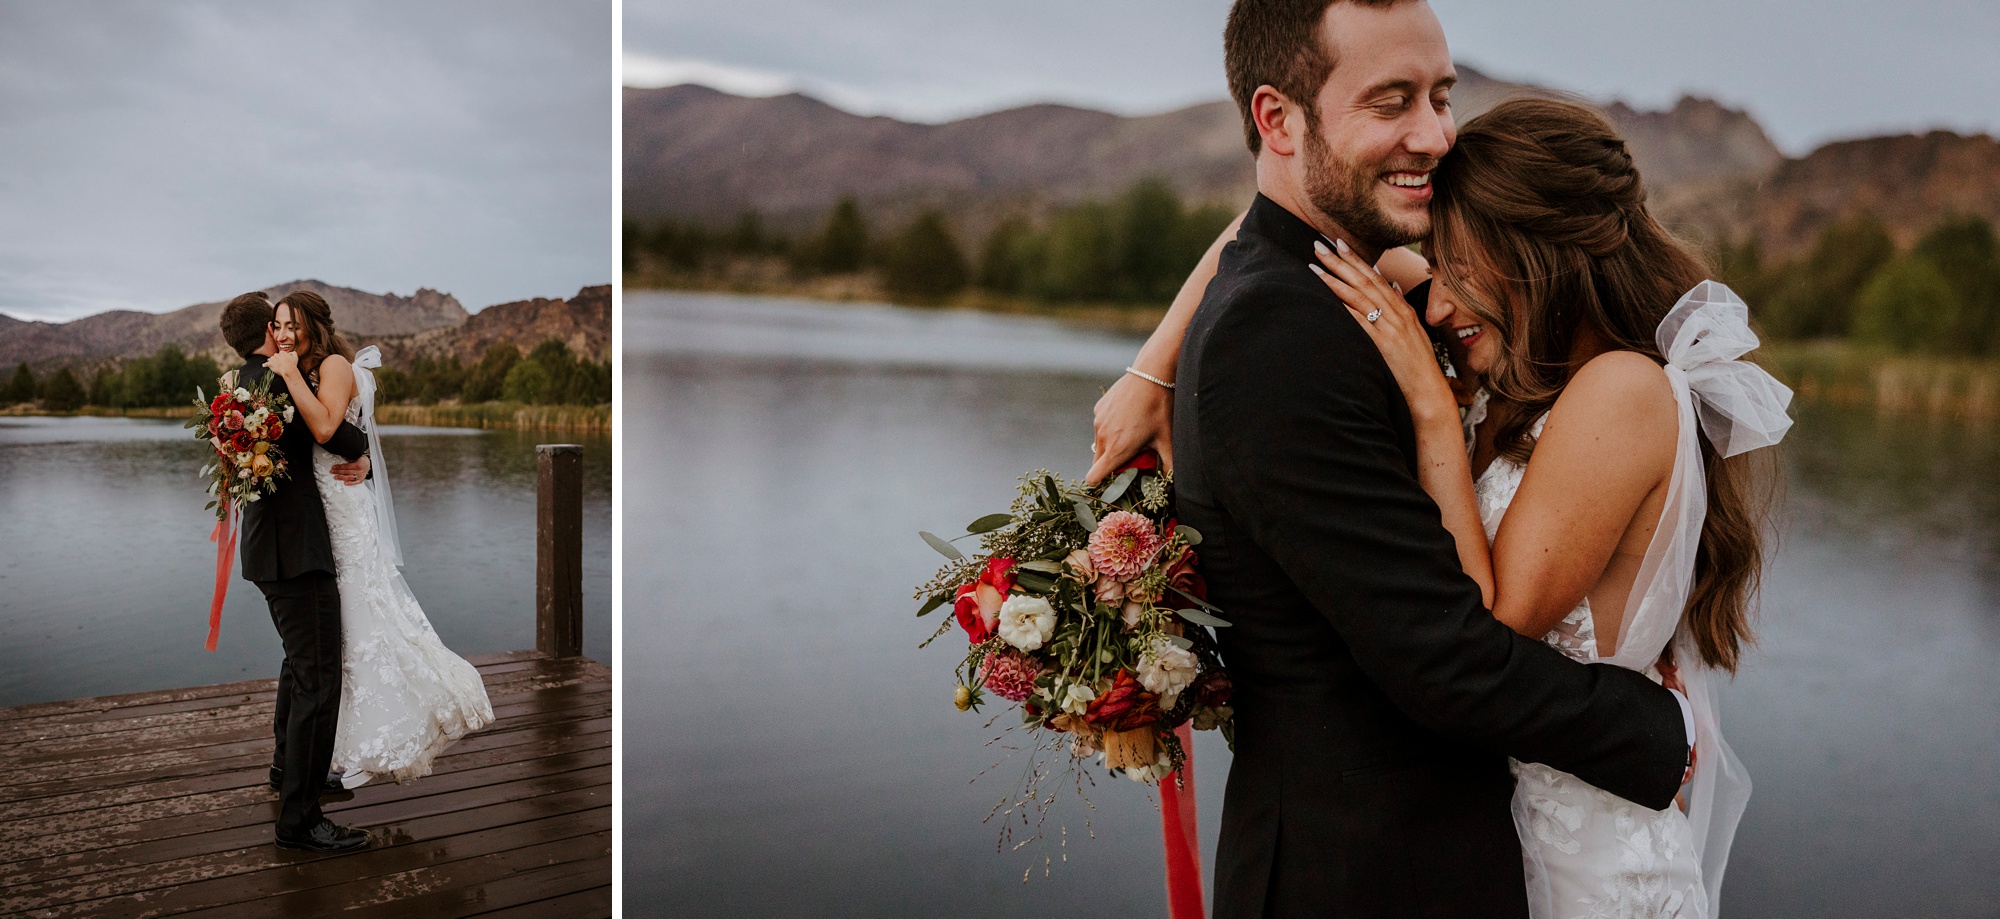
(352, 473)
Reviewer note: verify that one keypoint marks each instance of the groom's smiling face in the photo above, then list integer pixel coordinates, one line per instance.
(1380, 122)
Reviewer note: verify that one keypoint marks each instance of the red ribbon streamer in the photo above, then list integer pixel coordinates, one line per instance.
(224, 538)
(1177, 830)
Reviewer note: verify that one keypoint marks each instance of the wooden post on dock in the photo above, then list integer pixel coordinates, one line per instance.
(559, 550)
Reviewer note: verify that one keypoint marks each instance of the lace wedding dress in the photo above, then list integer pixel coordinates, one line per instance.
(1587, 852)
(404, 696)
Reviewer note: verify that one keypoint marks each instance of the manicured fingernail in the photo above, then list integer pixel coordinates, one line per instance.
(1342, 245)
(1321, 248)
(1316, 269)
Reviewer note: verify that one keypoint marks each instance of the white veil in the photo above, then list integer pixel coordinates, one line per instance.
(1740, 407)
(365, 362)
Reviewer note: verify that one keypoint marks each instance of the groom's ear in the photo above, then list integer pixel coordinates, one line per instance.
(1277, 120)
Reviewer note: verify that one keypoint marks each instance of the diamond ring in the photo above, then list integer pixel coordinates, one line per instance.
(1374, 315)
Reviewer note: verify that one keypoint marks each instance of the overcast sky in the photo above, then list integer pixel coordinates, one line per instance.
(154, 155)
(1809, 72)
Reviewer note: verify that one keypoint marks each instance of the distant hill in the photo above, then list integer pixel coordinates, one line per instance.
(695, 152)
(426, 322)
(583, 322)
(1908, 181)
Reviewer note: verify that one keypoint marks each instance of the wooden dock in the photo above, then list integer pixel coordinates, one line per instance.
(156, 803)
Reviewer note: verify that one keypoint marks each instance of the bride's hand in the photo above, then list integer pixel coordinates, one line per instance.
(1132, 416)
(1395, 328)
(283, 363)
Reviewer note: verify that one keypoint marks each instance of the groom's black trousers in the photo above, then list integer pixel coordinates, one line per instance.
(306, 610)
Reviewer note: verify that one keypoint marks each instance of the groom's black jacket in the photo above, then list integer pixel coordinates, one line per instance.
(1376, 698)
(284, 533)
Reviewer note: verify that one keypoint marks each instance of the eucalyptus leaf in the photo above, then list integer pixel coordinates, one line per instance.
(934, 602)
(989, 523)
(1200, 618)
(1042, 565)
(1188, 534)
(1180, 642)
(1085, 517)
(1194, 599)
(1049, 486)
(1034, 582)
(944, 548)
(1119, 484)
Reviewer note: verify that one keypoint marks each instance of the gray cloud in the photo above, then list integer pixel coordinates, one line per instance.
(161, 154)
(1809, 72)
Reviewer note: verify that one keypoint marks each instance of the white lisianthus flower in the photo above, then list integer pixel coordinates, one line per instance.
(241, 394)
(258, 416)
(1077, 698)
(1166, 669)
(288, 414)
(1027, 622)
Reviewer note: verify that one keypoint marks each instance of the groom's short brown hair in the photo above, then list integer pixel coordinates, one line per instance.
(1277, 42)
(244, 321)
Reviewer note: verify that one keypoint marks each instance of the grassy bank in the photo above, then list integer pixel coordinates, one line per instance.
(1837, 373)
(582, 419)
(1122, 318)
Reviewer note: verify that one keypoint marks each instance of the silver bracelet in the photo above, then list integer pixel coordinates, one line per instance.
(1141, 374)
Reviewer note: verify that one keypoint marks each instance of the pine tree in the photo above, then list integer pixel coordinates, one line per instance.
(21, 388)
(61, 392)
(843, 247)
(925, 265)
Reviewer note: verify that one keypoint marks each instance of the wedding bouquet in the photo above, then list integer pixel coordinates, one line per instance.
(1083, 606)
(242, 424)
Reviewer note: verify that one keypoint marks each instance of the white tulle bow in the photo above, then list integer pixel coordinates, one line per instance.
(1741, 406)
(389, 545)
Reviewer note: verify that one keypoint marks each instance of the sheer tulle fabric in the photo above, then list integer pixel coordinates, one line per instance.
(404, 696)
(389, 543)
(1640, 869)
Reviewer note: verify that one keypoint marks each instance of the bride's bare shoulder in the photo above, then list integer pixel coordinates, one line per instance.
(334, 366)
(1621, 400)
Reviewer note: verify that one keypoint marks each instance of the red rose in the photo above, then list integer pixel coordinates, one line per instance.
(241, 441)
(1123, 707)
(978, 603)
(219, 404)
(1143, 462)
(1213, 688)
(273, 428)
(1181, 575)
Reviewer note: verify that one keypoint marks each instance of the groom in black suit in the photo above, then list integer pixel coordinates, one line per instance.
(287, 552)
(1376, 698)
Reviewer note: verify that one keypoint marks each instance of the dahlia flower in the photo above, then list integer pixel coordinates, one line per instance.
(1124, 544)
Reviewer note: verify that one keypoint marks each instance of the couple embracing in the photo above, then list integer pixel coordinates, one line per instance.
(1477, 622)
(366, 689)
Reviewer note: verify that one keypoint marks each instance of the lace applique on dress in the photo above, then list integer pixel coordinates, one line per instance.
(404, 696)
(1588, 854)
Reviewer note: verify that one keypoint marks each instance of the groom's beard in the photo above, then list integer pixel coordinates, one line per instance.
(1345, 192)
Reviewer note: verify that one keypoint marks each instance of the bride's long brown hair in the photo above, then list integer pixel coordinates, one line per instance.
(317, 336)
(1539, 225)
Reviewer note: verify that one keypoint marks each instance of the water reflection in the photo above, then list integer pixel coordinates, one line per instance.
(784, 725)
(106, 571)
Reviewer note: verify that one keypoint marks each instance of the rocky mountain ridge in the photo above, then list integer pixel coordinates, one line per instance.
(425, 322)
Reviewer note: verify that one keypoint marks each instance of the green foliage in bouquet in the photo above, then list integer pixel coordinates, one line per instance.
(1083, 605)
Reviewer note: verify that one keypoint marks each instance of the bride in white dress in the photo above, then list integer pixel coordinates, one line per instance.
(404, 696)
(1613, 515)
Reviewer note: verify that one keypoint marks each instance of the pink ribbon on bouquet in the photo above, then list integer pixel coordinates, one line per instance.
(1177, 830)
(224, 537)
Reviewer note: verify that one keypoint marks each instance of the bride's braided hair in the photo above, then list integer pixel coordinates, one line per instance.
(1540, 228)
(317, 335)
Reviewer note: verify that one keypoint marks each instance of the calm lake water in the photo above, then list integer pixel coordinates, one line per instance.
(106, 569)
(789, 751)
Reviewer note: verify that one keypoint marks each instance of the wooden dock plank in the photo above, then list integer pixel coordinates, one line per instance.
(155, 804)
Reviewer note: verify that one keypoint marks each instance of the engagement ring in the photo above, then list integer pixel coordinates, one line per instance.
(1374, 315)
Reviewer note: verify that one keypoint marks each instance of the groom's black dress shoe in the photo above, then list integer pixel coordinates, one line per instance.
(326, 836)
(331, 786)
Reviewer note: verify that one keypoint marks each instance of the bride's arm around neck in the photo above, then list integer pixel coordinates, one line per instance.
(323, 411)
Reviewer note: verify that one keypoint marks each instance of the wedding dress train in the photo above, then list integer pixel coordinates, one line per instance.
(404, 696)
